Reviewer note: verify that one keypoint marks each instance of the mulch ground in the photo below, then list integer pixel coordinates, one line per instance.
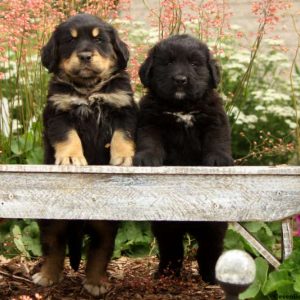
(131, 279)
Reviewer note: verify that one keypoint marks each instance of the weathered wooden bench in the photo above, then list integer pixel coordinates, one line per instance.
(233, 194)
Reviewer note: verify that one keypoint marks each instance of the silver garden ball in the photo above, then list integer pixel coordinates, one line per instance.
(235, 271)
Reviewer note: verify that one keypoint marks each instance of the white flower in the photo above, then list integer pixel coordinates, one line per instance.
(235, 65)
(291, 124)
(281, 111)
(15, 125)
(259, 107)
(235, 27)
(273, 42)
(242, 56)
(241, 118)
(270, 95)
(263, 119)
(31, 123)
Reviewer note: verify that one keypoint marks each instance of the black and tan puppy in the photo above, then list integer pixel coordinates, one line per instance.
(89, 118)
(182, 122)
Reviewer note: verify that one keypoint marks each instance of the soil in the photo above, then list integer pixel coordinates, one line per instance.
(130, 278)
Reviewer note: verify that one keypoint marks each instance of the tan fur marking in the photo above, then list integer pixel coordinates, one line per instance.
(101, 65)
(105, 64)
(74, 33)
(96, 282)
(51, 271)
(64, 101)
(95, 32)
(121, 149)
(117, 99)
(70, 63)
(70, 152)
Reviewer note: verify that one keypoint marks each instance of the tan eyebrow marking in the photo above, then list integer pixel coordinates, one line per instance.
(95, 32)
(74, 33)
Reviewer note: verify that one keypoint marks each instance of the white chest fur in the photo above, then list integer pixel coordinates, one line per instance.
(116, 99)
(188, 119)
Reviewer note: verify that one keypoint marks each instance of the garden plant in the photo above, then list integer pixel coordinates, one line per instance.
(260, 86)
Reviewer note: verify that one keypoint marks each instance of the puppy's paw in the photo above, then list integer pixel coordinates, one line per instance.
(71, 160)
(218, 159)
(147, 158)
(121, 149)
(97, 289)
(46, 280)
(121, 161)
(209, 278)
(70, 151)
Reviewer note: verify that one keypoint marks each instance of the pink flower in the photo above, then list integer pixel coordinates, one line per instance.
(269, 11)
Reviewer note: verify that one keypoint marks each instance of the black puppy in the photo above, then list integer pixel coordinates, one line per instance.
(89, 118)
(182, 122)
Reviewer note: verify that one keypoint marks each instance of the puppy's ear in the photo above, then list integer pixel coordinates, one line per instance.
(145, 69)
(214, 71)
(49, 54)
(120, 48)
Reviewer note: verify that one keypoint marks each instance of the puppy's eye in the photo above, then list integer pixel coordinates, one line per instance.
(169, 62)
(99, 40)
(194, 63)
(69, 39)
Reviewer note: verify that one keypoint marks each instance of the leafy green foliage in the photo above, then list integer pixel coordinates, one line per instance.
(253, 292)
(281, 283)
(262, 117)
(267, 233)
(20, 237)
(134, 239)
(25, 150)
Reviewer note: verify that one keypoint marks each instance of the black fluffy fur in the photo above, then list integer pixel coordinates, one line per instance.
(182, 122)
(95, 123)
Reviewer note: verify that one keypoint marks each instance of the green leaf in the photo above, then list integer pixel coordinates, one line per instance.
(260, 279)
(16, 147)
(287, 292)
(262, 268)
(292, 263)
(32, 244)
(31, 238)
(297, 283)
(35, 156)
(22, 144)
(252, 291)
(254, 226)
(275, 227)
(18, 241)
(276, 280)
(233, 240)
(133, 239)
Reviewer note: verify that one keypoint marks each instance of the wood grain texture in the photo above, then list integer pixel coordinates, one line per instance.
(287, 238)
(276, 170)
(257, 245)
(144, 193)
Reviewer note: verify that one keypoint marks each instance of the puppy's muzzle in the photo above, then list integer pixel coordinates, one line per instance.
(85, 56)
(180, 80)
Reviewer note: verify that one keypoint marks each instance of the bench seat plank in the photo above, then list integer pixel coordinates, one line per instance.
(145, 193)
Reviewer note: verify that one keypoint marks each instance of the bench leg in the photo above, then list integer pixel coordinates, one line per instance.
(287, 238)
(256, 244)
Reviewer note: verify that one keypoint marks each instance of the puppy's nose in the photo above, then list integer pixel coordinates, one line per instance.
(180, 79)
(85, 56)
